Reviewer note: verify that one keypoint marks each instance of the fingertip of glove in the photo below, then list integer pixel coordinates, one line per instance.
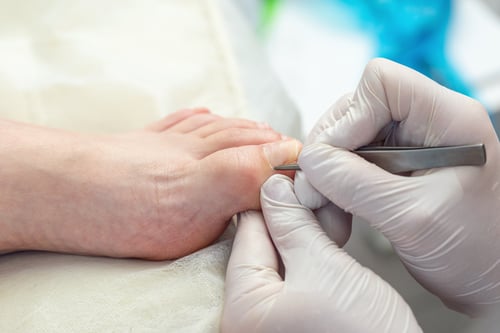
(248, 214)
(312, 154)
(278, 188)
(306, 193)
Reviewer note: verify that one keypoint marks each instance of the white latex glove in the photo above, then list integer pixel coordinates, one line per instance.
(322, 289)
(443, 223)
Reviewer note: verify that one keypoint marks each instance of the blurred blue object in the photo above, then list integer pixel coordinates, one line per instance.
(409, 32)
(412, 33)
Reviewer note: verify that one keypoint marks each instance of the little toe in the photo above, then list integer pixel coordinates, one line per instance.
(174, 118)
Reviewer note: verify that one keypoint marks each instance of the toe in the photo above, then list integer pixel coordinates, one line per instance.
(194, 122)
(238, 137)
(174, 118)
(228, 123)
(237, 174)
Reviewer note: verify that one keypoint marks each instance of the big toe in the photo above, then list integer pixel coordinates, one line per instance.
(238, 173)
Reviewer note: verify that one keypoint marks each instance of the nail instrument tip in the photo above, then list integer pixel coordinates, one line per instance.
(293, 166)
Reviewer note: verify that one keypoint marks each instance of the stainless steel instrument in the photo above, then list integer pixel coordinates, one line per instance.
(405, 159)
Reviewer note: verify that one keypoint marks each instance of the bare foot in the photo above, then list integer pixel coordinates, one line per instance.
(160, 193)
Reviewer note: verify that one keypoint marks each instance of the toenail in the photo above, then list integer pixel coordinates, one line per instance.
(280, 152)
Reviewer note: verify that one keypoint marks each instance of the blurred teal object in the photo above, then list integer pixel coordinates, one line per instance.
(412, 33)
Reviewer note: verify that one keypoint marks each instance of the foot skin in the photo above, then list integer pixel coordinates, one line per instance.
(159, 193)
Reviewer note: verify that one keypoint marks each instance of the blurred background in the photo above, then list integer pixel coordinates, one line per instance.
(318, 50)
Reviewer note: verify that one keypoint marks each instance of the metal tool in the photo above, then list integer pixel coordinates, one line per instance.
(404, 159)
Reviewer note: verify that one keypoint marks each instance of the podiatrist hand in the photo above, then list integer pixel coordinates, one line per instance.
(443, 223)
(321, 288)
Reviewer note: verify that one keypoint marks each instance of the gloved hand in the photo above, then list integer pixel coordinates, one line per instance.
(443, 223)
(322, 289)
